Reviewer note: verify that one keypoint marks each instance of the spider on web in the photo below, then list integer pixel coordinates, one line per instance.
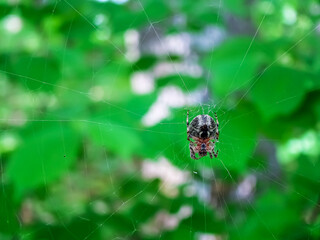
(203, 133)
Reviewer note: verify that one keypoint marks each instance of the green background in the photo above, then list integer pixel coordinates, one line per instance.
(80, 161)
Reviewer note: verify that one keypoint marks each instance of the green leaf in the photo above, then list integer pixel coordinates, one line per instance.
(186, 83)
(121, 17)
(260, 218)
(305, 177)
(237, 7)
(37, 73)
(119, 139)
(238, 136)
(279, 91)
(144, 63)
(155, 10)
(169, 139)
(233, 65)
(9, 222)
(45, 154)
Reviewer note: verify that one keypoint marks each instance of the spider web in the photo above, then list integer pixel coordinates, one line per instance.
(110, 208)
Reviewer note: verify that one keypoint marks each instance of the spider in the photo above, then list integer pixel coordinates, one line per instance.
(204, 131)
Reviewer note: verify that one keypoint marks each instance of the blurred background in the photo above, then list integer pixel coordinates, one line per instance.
(93, 103)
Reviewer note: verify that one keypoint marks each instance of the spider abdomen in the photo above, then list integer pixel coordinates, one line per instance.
(202, 126)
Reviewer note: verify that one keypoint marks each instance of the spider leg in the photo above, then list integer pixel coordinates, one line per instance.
(217, 122)
(211, 150)
(188, 118)
(192, 151)
(217, 126)
(215, 153)
(188, 133)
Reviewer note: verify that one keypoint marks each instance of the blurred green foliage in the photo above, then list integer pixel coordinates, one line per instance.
(79, 160)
